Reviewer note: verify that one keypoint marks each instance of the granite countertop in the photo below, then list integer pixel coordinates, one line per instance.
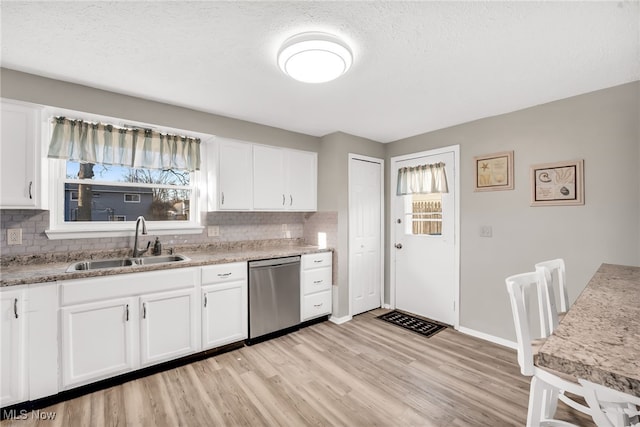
(599, 338)
(20, 273)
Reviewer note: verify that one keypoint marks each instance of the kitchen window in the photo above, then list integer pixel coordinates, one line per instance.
(100, 182)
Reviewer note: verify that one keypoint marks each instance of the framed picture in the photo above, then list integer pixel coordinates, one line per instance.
(494, 172)
(557, 184)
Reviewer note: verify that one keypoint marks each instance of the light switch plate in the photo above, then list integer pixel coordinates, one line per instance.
(213, 231)
(14, 236)
(486, 231)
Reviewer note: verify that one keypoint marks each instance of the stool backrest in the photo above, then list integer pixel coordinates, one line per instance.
(552, 277)
(520, 286)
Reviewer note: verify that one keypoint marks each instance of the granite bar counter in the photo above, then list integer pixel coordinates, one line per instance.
(51, 268)
(599, 338)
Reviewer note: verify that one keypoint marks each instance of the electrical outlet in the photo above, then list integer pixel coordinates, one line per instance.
(486, 231)
(213, 231)
(14, 236)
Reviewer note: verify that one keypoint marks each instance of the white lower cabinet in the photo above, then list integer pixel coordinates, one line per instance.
(97, 340)
(13, 339)
(28, 343)
(114, 324)
(168, 328)
(224, 304)
(316, 282)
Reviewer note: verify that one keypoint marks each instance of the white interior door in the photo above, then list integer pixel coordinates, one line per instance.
(365, 234)
(425, 246)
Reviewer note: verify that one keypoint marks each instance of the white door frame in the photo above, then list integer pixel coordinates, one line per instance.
(353, 156)
(393, 179)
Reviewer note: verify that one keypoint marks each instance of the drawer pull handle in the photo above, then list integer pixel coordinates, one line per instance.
(224, 274)
(144, 310)
(318, 305)
(15, 307)
(127, 313)
(317, 260)
(315, 282)
(205, 300)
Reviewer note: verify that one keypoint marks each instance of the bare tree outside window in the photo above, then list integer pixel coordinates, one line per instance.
(96, 192)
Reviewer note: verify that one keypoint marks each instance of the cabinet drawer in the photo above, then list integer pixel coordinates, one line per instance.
(318, 304)
(316, 280)
(322, 259)
(224, 273)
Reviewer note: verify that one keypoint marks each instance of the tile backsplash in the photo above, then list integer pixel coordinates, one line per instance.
(232, 227)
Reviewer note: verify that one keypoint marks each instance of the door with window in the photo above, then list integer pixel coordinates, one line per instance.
(425, 246)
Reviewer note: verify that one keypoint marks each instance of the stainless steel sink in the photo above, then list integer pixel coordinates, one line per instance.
(150, 260)
(124, 262)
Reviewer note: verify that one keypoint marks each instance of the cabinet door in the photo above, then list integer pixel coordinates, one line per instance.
(18, 157)
(167, 326)
(234, 176)
(12, 348)
(224, 314)
(268, 178)
(302, 178)
(98, 340)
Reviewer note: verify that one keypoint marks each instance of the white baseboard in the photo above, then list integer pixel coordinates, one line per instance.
(340, 320)
(487, 337)
(388, 306)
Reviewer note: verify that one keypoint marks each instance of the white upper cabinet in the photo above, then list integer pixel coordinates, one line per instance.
(284, 179)
(302, 180)
(20, 157)
(268, 178)
(234, 173)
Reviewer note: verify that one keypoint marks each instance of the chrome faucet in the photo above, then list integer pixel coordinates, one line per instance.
(138, 252)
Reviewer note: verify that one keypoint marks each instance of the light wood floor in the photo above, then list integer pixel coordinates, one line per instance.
(365, 372)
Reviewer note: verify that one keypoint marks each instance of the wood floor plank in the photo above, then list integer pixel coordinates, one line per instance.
(365, 372)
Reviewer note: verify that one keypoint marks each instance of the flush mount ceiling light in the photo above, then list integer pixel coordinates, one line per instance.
(314, 57)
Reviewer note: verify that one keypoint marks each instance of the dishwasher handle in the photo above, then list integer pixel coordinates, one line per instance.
(274, 262)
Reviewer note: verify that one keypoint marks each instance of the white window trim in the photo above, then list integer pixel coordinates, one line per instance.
(58, 229)
(57, 171)
(131, 194)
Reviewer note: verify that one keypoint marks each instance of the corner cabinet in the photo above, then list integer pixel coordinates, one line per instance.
(19, 157)
(28, 343)
(316, 276)
(13, 339)
(224, 304)
(284, 179)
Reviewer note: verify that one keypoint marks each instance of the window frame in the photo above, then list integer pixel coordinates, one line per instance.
(59, 229)
(139, 198)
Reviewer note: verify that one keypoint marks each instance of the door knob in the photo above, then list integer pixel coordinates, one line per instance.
(398, 245)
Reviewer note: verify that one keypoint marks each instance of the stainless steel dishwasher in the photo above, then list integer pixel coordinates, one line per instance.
(274, 295)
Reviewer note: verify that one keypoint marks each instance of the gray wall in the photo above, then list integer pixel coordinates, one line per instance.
(56, 93)
(601, 128)
(333, 195)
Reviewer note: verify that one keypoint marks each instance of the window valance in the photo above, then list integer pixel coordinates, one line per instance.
(422, 179)
(88, 142)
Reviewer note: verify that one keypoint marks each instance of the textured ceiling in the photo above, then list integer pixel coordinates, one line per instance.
(418, 66)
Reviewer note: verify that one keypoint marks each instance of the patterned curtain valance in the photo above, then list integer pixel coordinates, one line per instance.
(422, 179)
(88, 142)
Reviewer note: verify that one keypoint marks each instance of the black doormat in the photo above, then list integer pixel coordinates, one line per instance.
(414, 324)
